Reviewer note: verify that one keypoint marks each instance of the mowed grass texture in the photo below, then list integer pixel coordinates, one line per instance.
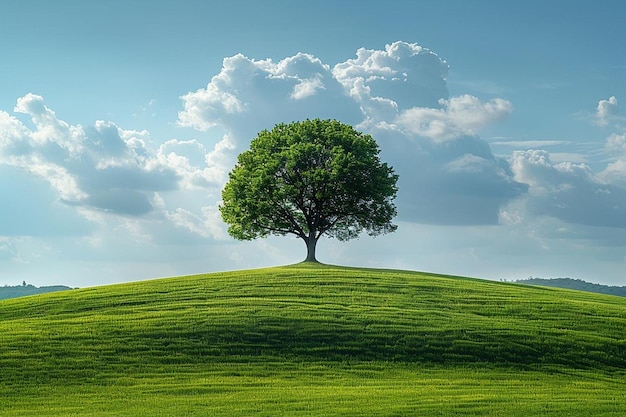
(313, 340)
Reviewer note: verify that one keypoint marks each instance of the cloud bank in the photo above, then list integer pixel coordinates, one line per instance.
(569, 191)
(399, 95)
(107, 183)
(449, 175)
(103, 169)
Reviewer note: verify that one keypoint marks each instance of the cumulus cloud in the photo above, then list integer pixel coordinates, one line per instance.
(448, 174)
(404, 75)
(459, 116)
(208, 224)
(101, 167)
(569, 191)
(453, 182)
(564, 188)
(615, 171)
(249, 95)
(49, 130)
(196, 166)
(616, 143)
(607, 111)
(104, 168)
(399, 95)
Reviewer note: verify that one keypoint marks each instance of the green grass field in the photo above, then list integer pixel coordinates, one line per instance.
(313, 340)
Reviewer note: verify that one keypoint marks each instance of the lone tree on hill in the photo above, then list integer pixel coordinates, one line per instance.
(308, 179)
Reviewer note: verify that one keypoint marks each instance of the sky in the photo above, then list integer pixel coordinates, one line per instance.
(120, 121)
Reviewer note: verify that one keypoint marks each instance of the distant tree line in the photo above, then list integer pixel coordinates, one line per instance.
(28, 289)
(575, 284)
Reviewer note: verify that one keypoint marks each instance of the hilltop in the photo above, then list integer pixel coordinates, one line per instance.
(314, 340)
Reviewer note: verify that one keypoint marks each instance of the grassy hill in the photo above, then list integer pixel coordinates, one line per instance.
(308, 340)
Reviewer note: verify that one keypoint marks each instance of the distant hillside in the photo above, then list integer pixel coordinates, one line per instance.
(28, 289)
(575, 284)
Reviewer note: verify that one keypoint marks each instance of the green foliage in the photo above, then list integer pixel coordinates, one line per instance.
(313, 341)
(308, 179)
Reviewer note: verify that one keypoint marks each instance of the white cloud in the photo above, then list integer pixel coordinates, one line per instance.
(569, 191)
(100, 175)
(244, 87)
(579, 158)
(307, 88)
(207, 225)
(58, 177)
(468, 164)
(398, 94)
(221, 160)
(42, 151)
(459, 116)
(607, 111)
(103, 167)
(194, 165)
(617, 143)
(50, 130)
(615, 171)
(406, 73)
(562, 186)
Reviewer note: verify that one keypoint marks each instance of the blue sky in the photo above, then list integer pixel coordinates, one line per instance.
(119, 122)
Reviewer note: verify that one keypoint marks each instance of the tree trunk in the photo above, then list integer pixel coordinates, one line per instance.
(311, 242)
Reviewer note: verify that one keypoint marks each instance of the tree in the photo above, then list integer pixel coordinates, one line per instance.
(308, 179)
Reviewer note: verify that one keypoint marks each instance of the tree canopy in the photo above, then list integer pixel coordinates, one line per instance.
(310, 178)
